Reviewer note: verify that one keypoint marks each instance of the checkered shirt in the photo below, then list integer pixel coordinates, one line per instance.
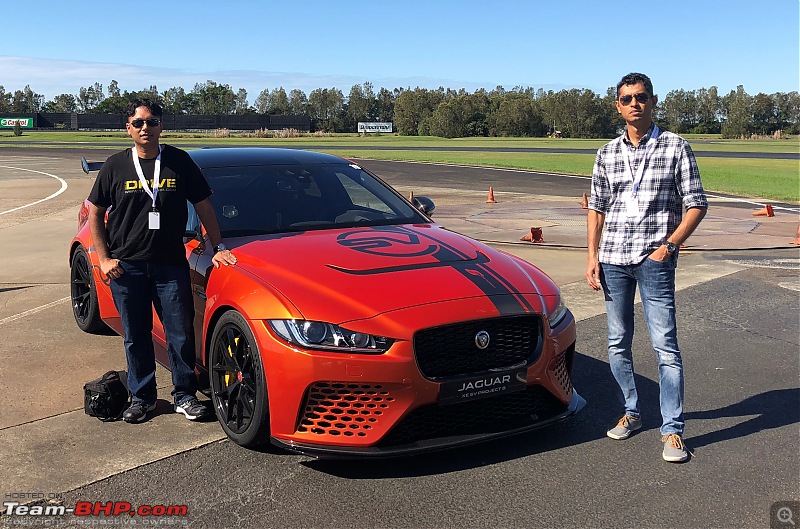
(671, 182)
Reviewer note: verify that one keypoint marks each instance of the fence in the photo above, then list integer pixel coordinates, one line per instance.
(73, 121)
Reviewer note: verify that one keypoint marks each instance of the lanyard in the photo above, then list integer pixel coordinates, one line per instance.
(156, 174)
(639, 174)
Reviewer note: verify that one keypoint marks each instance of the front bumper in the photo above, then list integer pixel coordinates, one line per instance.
(575, 405)
(339, 405)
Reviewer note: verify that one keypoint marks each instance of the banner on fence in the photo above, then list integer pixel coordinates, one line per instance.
(374, 127)
(25, 123)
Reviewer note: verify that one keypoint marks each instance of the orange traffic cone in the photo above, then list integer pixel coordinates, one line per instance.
(490, 199)
(585, 202)
(766, 211)
(796, 240)
(535, 235)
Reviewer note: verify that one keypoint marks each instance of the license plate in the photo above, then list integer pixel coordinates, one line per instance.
(481, 387)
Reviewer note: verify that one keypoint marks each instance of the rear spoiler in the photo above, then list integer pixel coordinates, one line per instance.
(90, 166)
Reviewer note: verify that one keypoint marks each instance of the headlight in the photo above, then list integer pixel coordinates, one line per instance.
(329, 337)
(557, 314)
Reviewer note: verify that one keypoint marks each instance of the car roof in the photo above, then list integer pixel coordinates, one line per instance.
(238, 156)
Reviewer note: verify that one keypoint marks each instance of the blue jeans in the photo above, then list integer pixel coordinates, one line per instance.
(656, 281)
(166, 287)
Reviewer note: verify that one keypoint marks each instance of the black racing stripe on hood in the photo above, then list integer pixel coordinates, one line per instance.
(482, 258)
(476, 270)
(487, 280)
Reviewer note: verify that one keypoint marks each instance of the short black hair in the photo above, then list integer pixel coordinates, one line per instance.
(636, 78)
(151, 105)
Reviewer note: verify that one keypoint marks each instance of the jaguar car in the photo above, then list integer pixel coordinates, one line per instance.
(352, 324)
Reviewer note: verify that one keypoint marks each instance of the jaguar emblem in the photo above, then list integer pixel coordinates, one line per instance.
(482, 339)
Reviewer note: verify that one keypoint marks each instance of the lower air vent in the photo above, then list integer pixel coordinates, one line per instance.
(338, 408)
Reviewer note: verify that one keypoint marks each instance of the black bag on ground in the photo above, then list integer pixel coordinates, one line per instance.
(107, 397)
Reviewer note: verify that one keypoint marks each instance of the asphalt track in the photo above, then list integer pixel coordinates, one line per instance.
(553, 150)
(531, 150)
(740, 335)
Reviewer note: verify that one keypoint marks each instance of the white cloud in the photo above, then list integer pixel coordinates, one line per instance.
(53, 77)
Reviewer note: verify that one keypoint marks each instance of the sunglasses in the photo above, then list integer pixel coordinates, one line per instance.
(641, 98)
(151, 122)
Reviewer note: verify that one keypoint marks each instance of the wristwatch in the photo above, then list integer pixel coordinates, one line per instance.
(671, 247)
(220, 247)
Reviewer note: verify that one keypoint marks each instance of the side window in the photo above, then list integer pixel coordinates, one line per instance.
(361, 196)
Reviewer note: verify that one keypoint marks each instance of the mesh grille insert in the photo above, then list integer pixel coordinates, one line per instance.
(450, 350)
(561, 375)
(338, 408)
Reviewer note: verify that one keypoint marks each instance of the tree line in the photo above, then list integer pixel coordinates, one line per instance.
(519, 112)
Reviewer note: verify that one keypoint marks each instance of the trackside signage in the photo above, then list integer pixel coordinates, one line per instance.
(25, 123)
(374, 127)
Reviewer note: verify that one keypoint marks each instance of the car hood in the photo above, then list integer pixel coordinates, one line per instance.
(352, 274)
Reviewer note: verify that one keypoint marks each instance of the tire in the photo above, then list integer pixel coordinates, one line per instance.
(238, 383)
(85, 308)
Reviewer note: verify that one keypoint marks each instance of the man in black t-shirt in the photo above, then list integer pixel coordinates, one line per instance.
(140, 248)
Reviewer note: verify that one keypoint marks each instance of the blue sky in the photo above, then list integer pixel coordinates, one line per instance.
(57, 46)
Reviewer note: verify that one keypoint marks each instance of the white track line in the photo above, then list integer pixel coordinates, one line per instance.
(506, 169)
(63, 188)
(582, 177)
(34, 310)
(745, 201)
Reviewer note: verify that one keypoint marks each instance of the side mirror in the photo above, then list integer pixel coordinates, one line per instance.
(90, 166)
(425, 205)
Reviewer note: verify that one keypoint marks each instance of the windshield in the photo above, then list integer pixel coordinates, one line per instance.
(253, 200)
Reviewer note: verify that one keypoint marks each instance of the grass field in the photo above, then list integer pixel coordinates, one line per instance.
(758, 178)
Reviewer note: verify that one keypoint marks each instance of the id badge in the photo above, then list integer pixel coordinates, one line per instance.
(631, 206)
(153, 218)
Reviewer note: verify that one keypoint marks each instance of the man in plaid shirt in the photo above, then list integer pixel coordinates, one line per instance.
(641, 183)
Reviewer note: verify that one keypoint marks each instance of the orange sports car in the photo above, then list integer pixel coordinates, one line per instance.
(352, 324)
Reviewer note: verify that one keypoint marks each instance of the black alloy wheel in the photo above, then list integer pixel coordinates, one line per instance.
(238, 385)
(84, 295)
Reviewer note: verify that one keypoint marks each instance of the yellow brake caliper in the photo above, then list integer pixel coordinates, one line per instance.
(230, 376)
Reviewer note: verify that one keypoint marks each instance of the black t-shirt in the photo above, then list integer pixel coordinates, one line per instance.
(118, 186)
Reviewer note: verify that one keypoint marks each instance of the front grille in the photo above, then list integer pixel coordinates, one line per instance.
(450, 350)
(350, 410)
(485, 416)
